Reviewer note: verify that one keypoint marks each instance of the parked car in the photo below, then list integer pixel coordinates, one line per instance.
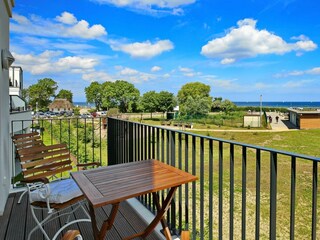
(39, 115)
(86, 115)
(94, 114)
(102, 113)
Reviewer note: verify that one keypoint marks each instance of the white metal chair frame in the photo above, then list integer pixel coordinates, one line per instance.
(52, 212)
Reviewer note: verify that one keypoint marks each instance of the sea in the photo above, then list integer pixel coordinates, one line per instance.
(83, 104)
(280, 104)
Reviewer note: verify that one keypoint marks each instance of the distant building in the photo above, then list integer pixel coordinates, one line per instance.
(17, 104)
(59, 105)
(15, 81)
(252, 120)
(304, 119)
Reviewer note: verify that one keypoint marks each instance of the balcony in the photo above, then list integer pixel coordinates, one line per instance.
(18, 111)
(243, 190)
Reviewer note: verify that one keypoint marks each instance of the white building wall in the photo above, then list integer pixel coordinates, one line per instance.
(252, 121)
(5, 13)
(16, 80)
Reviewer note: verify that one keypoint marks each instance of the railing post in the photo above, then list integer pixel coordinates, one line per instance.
(210, 189)
(244, 191)
(231, 226)
(314, 199)
(201, 188)
(273, 195)
(293, 197)
(258, 177)
(194, 189)
(220, 231)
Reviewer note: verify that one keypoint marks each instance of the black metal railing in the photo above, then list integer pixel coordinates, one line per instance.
(243, 190)
(86, 138)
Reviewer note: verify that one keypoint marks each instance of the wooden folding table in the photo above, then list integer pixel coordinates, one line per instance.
(114, 184)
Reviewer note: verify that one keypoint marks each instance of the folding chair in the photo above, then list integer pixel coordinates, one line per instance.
(40, 162)
(33, 139)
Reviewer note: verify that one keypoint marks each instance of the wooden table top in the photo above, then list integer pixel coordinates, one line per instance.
(116, 183)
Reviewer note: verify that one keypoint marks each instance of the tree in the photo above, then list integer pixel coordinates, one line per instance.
(65, 94)
(124, 95)
(196, 106)
(25, 94)
(94, 94)
(216, 104)
(150, 101)
(108, 96)
(227, 105)
(166, 101)
(194, 90)
(41, 92)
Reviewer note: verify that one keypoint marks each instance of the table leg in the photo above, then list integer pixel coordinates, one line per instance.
(164, 224)
(107, 224)
(159, 217)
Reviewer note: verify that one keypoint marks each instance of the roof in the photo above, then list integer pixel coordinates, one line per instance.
(60, 103)
(305, 112)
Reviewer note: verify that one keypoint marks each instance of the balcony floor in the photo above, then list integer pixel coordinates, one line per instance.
(17, 221)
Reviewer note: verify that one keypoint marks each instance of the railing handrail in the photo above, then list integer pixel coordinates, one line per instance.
(297, 155)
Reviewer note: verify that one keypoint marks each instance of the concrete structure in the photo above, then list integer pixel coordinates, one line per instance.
(304, 119)
(5, 169)
(59, 105)
(251, 120)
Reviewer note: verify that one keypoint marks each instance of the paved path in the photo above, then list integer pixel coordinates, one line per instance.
(282, 124)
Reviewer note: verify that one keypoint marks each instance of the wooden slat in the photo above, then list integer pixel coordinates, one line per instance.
(42, 148)
(135, 220)
(30, 224)
(26, 144)
(43, 162)
(49, 173)
(49, 167)
(24, 135)
(17, 224)
(41, 155)
(5, 218)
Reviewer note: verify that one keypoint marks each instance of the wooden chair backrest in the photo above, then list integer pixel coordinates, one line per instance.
(27, 140)
(44, 161)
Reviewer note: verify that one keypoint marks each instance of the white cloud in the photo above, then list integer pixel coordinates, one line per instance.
(188, 72)
(313, 71)
(63, 26)
(151, 6)
(185, 70)
(133, 75)
(128, 72)
(97, 76)
(166, 75)
(67, 18)
(227, 60)
(156, 69)
(145, 49)
(52, 62)
(296, 84)
(246, 41)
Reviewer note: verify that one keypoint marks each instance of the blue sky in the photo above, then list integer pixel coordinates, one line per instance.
(242, 49)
